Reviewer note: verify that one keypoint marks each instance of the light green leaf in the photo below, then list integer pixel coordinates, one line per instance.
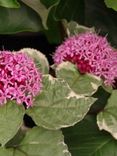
(111, 4)
(6, 152)
(9, 3)
(108, 89)
(73, 28)
(11, 119)
(84, 139)
(107, 119)
(18, 20)
(80, 83)
(39, 59)
(39, 142)
(40, 9)
(17, 138)
(58, 106)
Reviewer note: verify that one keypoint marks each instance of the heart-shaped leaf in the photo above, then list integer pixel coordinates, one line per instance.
(58, 106)
(11, 118)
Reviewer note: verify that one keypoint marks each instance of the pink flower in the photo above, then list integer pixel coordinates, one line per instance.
(20, 80)
(91, 54)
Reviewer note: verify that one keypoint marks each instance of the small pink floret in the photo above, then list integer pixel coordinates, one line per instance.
(91, 54)
(20, 80)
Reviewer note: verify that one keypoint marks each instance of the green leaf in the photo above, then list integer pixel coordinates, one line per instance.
(73, 28)
(6, 152)
(102, 98)
(107, 119)
(54, 27)
(49, 3)
(111, 4)
(80, 83)
(41, 10)
(18, 20)
(17, 138)
(11, 118)
(70, 10)
(84, 139)
(9, 3)
(39, 142)
(103, 19)
(39, 59)
(58, 106)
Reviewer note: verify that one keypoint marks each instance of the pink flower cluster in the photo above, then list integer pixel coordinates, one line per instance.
(91, 54)
(20, 80)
